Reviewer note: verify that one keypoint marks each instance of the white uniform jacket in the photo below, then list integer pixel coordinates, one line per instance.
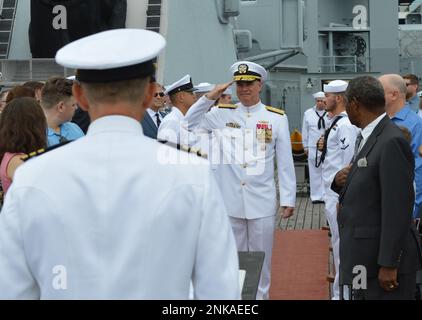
(340, 149)
(174, 127)
(101, 218)
(251, 140)
(310, 131)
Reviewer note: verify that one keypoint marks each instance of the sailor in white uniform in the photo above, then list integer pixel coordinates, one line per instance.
(174, 127)
(251, 137)
(340, 148)
(315, 122)
(102, 218)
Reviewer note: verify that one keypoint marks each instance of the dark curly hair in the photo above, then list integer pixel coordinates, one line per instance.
(23, 127)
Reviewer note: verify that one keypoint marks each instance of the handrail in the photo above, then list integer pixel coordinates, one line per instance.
(11, 27)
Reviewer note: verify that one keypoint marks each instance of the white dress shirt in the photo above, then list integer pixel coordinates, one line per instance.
(153, 116)
(111, 221)
(367, 131)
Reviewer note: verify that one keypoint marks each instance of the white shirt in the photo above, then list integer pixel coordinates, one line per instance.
(367, 131)
(153, 116)
(107, 214)
(310, 131)
(245, 170)
(340, 149)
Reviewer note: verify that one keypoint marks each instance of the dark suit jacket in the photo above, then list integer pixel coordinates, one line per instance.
(149, 127)
(376, 205)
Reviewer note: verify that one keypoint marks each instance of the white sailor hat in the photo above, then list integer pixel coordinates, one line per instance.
(184, 84)
(229, 91)
(115, 55)
(319, 95)
(73, 78)
(336, 86)
(204, 87)
(248, 71)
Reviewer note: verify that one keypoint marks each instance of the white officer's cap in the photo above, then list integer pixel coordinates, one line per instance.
(184, 84)
(336, 86)
(204, 87)
(319, 95)
(73, 78)
(248, 71)
(115, 55)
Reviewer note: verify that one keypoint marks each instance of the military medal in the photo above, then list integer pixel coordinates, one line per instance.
(261, 131)
(269, 134)
(264, 132)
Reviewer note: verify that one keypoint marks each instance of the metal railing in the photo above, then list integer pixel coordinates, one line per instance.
(15, 71)
(354, 64)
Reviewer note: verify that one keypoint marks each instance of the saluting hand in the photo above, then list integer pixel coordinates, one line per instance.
(341, 176)
(219, 89)
(288, 212)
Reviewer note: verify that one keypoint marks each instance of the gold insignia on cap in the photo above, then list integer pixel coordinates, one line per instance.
(243, 68)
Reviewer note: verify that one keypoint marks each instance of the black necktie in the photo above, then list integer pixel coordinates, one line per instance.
(157, 115)
(359, 139)
(321, 122)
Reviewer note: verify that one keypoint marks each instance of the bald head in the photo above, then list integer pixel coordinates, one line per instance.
(394, 82)
(395, 93)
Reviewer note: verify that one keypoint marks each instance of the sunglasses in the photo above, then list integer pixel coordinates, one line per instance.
(161, 94)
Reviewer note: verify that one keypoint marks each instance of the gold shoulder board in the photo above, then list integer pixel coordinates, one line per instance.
(275, 110)
(40, 152)
(227, 106)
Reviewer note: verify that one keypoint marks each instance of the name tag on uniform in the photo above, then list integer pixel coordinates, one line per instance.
(264, 132)
(233, 125)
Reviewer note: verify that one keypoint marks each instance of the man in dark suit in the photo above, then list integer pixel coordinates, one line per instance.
(376, 201)
(154, 116)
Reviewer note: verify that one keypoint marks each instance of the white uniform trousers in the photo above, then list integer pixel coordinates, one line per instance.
(331, 201)
(315, 177)
(257, 235)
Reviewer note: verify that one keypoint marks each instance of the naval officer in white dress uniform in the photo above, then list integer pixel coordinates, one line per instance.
(251, 137)
(315, 122)
(86, 221)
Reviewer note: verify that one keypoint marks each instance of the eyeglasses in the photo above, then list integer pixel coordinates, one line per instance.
(161, 94)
